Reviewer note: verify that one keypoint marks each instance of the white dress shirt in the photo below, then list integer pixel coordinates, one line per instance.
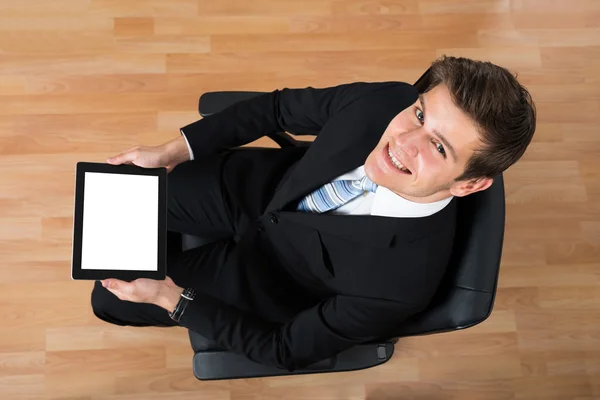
(188, 145)
(386, 203)
(383, 202)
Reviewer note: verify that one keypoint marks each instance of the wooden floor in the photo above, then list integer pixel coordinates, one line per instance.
(81, 80)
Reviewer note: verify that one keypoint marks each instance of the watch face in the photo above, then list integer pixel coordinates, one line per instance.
(189, 293)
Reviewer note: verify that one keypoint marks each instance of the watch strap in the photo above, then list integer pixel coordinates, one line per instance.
(186, 296)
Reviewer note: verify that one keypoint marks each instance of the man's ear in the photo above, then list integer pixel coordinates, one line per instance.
(463, 188)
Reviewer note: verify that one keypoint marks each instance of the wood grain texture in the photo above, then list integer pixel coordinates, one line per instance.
(85, 79)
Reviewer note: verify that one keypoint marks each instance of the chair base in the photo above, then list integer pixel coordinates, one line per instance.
(216, 365)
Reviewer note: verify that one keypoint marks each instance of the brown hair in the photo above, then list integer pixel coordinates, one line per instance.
(501, 108)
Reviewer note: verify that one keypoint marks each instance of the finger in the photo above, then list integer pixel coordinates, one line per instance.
(125, 157)
(126, 288)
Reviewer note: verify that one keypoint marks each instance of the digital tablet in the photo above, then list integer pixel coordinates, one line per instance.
(119, 222)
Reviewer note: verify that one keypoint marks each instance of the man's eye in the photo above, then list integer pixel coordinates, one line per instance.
(420, 116)
(441, 149)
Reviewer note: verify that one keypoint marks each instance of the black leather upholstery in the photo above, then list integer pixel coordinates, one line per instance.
(213, 365)
(464, 299)
(212, 102)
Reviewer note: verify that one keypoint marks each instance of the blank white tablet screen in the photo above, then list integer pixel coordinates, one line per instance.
(120, 222)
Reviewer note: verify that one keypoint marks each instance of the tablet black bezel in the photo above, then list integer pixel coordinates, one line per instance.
(85, 274)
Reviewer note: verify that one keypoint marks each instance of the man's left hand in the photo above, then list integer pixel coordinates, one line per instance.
(163, 293)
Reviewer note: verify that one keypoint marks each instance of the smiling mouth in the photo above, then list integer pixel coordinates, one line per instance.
(397, 162)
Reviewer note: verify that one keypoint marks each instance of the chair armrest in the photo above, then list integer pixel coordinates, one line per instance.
(213, 102)
(214, 365)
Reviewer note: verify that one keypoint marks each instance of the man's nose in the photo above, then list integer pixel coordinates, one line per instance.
(409, 143)
(411, 149)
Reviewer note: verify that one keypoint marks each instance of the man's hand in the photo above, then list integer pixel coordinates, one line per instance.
(167, 155)
(162, 293)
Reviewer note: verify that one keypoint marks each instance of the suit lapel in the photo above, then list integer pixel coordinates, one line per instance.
(327, 158)
(343, 146)
(318, 167)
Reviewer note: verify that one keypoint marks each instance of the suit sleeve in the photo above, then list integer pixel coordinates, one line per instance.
(297, 111)
(315, 334)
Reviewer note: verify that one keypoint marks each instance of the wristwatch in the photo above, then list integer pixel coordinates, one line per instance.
(187, 296)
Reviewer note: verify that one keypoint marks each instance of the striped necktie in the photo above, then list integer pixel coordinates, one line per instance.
(335, 194)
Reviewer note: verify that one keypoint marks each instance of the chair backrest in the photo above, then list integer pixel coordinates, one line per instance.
(466, 295)
(422, 83)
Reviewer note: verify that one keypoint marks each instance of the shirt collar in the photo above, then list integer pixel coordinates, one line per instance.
(390, 204)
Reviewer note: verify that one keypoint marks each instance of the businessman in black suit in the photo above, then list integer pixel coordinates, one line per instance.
(290, 286)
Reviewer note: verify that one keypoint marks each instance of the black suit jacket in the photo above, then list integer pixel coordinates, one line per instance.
(318, 284)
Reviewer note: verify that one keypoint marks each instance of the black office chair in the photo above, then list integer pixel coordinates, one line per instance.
(465, 297)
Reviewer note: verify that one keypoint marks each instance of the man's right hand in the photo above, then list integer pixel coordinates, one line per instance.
(167, 155)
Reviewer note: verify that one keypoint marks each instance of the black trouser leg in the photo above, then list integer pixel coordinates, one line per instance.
(185, 270)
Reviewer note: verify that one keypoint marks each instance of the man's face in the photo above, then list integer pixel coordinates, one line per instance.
(431, 141)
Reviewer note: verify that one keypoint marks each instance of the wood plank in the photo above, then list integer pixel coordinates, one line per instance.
(265, 7)
(577, 252)
(465, 7)
(142, 8)
(32, 271)
(458, 344)
(113, 83)
(336, 42)
(506, 366)
(100, 64)
(442, 389)
(512, 56)
(515, 298)
(22, 228)
(133, 26)
(143, 382)
(80, 384)
(22, 363)
(560, 320)
(31, 386)
(553, 6)
(224, 24)
(56, 23)
(351, 392)
(572, 74)
(556, 388)
(105, 132)
(360, 7)
(568, 57)
(555, 275)
(499, 321)
(33, 8)
(569, 298)
(129, 359)
(65, 43)
(96, 103)
(107, 336)
(17, 340)
(292, 62)
(163, 44)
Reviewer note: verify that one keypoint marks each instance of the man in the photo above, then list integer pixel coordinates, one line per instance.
(307, 267)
